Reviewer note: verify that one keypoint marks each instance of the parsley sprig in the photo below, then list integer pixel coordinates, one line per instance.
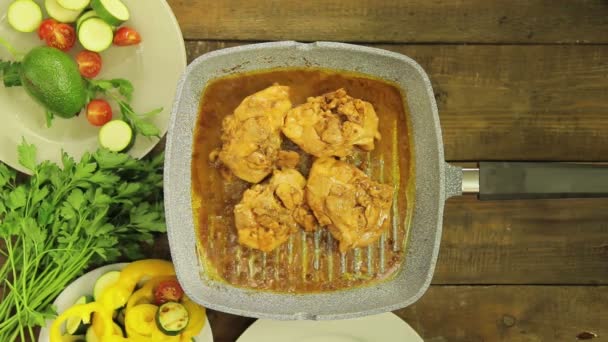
(10, 73)
(121, 91)
(63, 220)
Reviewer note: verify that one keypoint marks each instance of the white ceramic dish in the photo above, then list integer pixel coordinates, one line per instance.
(384, 327)
(83, 286)
(154, 67)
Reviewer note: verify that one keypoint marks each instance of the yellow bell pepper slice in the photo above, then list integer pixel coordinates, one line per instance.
(140, 320)
(140, 323)
(117, 295)
(83, 311)
(145, 295)
(197, 316)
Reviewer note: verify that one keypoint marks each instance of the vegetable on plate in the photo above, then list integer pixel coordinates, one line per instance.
(143, 319)
(95, 34)
(168, 291)
(46, 28)
(62, 37)
(172, 318)
(60, 13)
(24, 16)
(99, 112)
(126, 36)
(86, 15)
(114, 12)
(89, 63)
(77, 325)
(116, 136)
(104, 282)
(52, 78)
(75, 5)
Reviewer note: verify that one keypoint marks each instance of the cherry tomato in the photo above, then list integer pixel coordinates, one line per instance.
(126, 36)
(46, 27)
(168, 291)
(89, 63)
(99, 112)
(62, 37)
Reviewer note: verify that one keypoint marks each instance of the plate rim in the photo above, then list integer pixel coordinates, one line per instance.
(260, 324)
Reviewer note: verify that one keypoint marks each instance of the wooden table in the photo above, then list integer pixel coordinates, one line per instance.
(514, 80)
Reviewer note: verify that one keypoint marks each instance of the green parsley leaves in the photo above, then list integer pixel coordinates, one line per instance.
(10, 73)
(64, 219)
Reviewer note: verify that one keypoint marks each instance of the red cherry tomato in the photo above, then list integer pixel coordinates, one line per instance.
(168, 291)
(62, 37)
(46, 27)
(89, 63)
(126, 36)
(99, 112)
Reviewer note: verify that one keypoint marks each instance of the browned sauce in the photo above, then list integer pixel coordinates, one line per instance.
(308, 262)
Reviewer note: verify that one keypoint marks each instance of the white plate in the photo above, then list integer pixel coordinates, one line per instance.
(154, 67)
(84, 286)
(385, 327)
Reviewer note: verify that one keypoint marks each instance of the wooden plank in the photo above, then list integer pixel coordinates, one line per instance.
(524, 242)
(480, 21)
(516, 242)
(512, 102)
(486, 313)
(509, 313)
(227, 327)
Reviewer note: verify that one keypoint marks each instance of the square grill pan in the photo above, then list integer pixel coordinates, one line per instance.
(434, 182)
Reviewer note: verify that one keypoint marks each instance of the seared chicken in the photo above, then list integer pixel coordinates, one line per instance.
(354, 208)
(251, 136)
(268, 213)
(332, 124)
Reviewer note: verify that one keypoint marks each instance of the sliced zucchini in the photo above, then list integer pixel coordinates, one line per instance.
(116, 135)
(106, 280)
(74, 325)
(114, 12)
(91, 336)
(59, 13)
(24, 16)
(75, 5)
(95, 34)
(84, 16)
(172, 318)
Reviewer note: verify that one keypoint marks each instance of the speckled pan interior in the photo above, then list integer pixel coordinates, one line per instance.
(434, 182)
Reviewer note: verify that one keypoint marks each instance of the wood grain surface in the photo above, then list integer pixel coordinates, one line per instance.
(427, 21)
(486, 313)
(511, 102)
(509, 313)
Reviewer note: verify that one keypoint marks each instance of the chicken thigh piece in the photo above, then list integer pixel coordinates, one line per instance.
(268, 213)
(354, 208)
(332, 124)
(251, 136)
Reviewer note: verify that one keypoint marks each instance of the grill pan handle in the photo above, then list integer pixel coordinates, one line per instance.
(531, 180)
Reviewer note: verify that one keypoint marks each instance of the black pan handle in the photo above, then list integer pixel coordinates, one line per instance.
(528, 180)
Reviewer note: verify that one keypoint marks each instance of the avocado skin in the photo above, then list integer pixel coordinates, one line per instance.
(51, 77)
